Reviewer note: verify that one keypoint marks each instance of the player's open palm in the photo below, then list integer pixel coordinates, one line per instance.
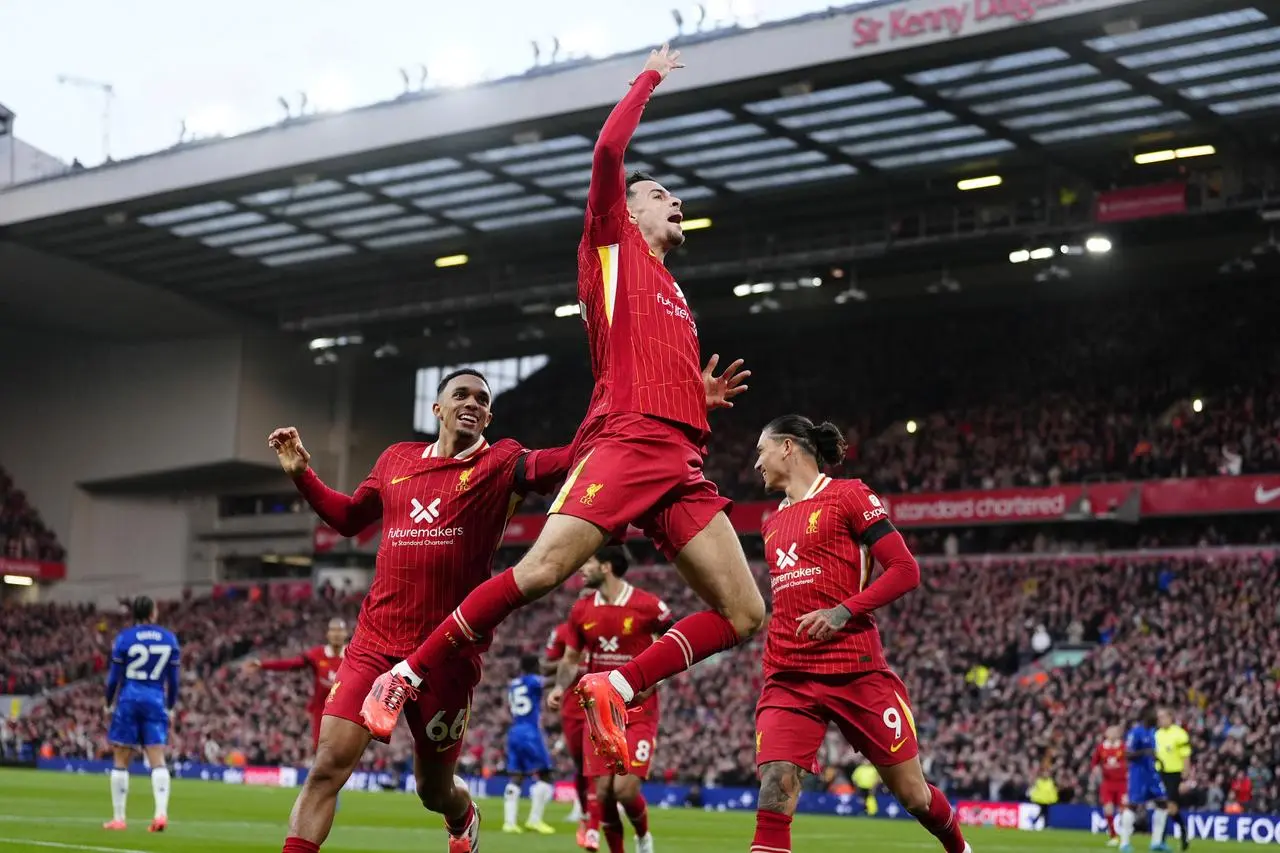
(294, 458)
(664, 60)
(723, 388)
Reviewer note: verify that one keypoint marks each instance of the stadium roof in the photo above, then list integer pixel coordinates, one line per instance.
(337, 213)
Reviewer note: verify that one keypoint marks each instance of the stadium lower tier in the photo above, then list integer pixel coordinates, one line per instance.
(1197, 632)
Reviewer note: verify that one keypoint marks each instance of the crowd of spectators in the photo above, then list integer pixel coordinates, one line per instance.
(23, 535)
(1198, 633)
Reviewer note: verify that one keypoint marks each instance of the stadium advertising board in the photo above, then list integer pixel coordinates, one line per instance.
(1141, 202)
(919, 22)
(38, 569)
(1157, 498)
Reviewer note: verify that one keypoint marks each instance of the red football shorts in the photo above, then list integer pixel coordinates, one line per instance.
(1114, 794)
(573, 722)
(437, 721)
(629, 469)
(870, 709)
(642, 740)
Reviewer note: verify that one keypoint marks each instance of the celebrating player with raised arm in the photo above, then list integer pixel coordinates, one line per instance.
(638, 455)
(323, 661)
(823, 661)
(444, 508)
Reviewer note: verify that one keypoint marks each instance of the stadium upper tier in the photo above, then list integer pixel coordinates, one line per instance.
(23, 535)
(326, 218)
(1192, 631)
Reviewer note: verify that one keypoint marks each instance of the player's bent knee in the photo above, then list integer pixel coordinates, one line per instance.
(779, 787)
(915, 798)
(749, 618)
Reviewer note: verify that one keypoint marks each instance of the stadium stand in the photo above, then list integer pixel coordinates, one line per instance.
(1196, 630)
(23, 535)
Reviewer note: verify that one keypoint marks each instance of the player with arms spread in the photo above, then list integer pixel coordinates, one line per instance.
(613, 626)
(142, 688)
(573, 724)
(639, 453)
(323, 661)
(444, 508)
(1110, 763)
(823, 660)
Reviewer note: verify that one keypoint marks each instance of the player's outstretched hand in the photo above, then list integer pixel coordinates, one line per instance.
(664, 60)
(822, 625)
(555, 698)
(294, 458)
(723, 388)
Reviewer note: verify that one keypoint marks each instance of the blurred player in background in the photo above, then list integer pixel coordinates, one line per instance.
(527, 751)
(444, 508)
(323, 661)
(573, 724)
(639, 452)
(614, 625)
(142, 687)
(1145, 787)
(1112, 767)
(823, 660)
(1173, 750)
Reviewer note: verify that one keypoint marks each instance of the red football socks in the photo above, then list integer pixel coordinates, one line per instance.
(690, 640)
(584, 797)
(773, 833)
(613, 829)
(474, 619)
(942, 822)
(294, 844)
(638, 813)
(594, 810)
(459, 826)
(1111, 826)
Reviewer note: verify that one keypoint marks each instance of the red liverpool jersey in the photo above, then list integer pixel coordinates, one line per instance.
(1110, 756)
(643, 339)
(442, 520)
(817, 559)
(612, 634)
(323, 664)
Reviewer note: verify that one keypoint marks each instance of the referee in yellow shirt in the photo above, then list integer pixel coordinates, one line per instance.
(1173, 750)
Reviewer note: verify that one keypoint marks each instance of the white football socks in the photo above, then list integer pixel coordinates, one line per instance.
(511, 804)
(160, 789)
(1124, 826)
(540, 795)
(1158, 819)
(406, 672)
(119, 792)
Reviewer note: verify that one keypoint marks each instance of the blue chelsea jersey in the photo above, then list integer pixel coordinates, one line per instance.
(524, 698)
(1141, 739)
(144, 666)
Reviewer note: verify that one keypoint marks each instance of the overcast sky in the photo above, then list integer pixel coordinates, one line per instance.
(224, 64)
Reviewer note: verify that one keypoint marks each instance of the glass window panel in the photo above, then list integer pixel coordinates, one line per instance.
(768, 164)
(1106, 128)
(248, 235)
(444, 182)
(362, 214)
(284, 244)
(1198, 49)
(876, 128)
(853, 112)
(1231, 108)
(1091, 111)
(698, 140)
(914, 140)
(1026, 81)
(468, 196)
(496, 207)
(315, 205)
(186, 214)
(358, 231)
(941, 155)
(501, 374)
(692, 193)
(532, 149)
(682, 123)
(998, 65)
(1018, 103)
(535, 217)
(306, 255)
(731, 152)
(550, 164)
(567, 179)
(1268, 59)
(393, 240)
(409, 170)
(221, 223)
(803, 176)
(276, 196)
(819, 98)
(1177, 30)
(1238, 85)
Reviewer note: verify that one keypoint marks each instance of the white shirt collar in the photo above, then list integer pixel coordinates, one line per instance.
(623, 597)
(814, 488)
(430, 451)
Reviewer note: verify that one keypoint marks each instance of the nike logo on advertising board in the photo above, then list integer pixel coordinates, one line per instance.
(1266, 496)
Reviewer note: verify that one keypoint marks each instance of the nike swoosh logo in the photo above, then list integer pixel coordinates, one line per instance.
(442, 747)
(402, 479)
(588, 626)
(1265, 496)
(897, 746)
